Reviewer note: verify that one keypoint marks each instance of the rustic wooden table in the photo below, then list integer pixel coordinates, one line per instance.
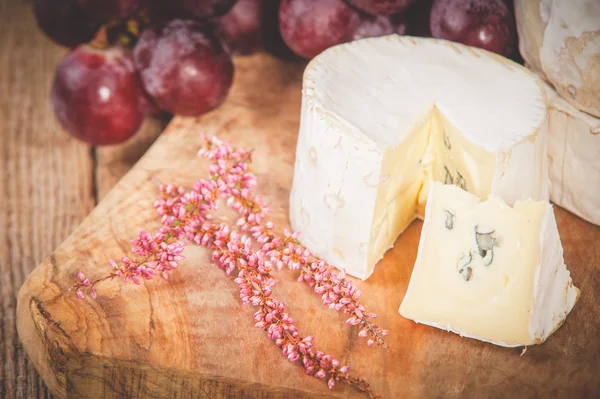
(49, 181)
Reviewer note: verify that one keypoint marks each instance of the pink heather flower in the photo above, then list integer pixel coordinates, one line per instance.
(330, 383)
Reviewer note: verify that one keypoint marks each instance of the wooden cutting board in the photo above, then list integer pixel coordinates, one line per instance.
(191, 337)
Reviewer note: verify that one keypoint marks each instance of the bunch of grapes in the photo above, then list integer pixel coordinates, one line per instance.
(310, 26)
(132, 58)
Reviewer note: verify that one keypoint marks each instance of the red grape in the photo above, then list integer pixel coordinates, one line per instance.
(380, 26)
(310, 26)
(204, 9)
(381, 7)
(183, 67)
(487, 24)
(97, 96)
(106, 10)
(241, 27)
(64, 22)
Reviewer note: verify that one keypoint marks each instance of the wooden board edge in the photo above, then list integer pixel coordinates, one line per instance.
(97, 376)
(42, 339)
(69, 372)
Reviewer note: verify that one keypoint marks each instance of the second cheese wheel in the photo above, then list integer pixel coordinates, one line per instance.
(574, 149)
(560, 39)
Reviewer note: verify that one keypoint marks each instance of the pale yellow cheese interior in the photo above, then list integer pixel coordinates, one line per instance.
(435, 150)
(496, 302)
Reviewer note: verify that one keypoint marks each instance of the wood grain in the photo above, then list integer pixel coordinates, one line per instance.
(190, 337)
(49, 182)
(45, 191)
(112, 162)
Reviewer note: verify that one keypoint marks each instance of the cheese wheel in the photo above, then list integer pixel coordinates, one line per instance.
(574, 155)
(560, 39)
(382, 117)
(531, 27)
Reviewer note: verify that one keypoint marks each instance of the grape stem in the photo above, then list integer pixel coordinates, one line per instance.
(100, 41)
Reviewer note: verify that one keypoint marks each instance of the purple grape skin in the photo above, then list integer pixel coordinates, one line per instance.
(241, 27)
(379, 26)
(184, 67)
(108, 10)
(204, 9)
(64, 22)
(310, 26)
(487, 24)
(380, 7)
(97, 96)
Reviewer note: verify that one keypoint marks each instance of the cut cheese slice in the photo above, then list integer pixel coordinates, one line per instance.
(489, 271)
(381, 117)
(574, 153)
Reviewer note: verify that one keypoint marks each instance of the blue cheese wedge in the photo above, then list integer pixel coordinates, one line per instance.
(381, 117)
(489, 271)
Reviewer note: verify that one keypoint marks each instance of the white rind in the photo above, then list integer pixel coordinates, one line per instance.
(322, 178)
(570, 54)
(574, 157)
(554, 293)
(522, 172)
(362, 98)
(531, 26)
(358, 81)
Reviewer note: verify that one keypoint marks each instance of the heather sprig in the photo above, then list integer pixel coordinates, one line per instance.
(156, 254)
(187, 215)
(184, 211)
(234, 253)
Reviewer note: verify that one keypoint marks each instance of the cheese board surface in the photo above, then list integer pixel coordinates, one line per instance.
(191, 337)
